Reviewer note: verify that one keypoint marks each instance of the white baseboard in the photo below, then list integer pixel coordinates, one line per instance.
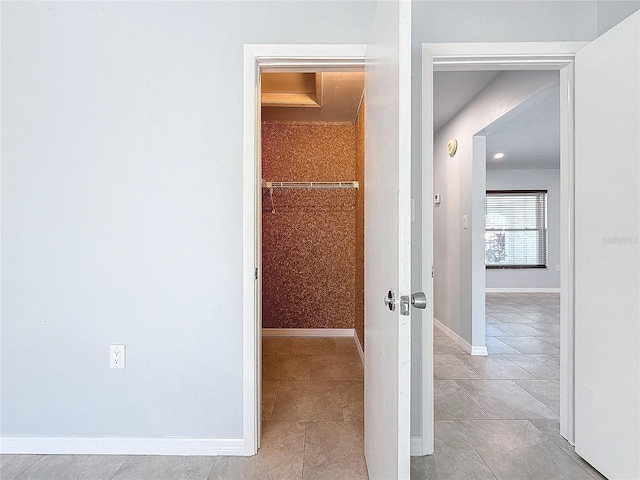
(308, 332)
(477, 350)
(473, 350)
(522, 290)
(416, 447)
(359, 345)
(452, 335)
(121, 446)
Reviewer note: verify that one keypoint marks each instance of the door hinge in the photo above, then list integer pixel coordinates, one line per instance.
(256, 274)
(431, 272)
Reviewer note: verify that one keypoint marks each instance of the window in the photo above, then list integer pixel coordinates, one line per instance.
(516, 229)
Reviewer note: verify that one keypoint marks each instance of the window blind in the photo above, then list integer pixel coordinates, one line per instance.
(516, 229)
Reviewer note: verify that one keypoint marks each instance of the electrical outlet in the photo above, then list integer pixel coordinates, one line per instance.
(116, 356)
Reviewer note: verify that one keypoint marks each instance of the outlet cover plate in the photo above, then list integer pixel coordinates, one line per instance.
(116, 356)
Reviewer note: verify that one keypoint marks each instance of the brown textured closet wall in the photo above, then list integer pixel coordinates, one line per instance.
(360, 227)
(309, 243)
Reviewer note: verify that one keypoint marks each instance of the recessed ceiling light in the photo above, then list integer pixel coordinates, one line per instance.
(498, 156)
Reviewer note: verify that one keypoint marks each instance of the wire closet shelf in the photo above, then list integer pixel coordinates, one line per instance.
(313, 185)
(350, 184)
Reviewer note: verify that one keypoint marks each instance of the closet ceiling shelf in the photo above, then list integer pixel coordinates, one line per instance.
(350, 184)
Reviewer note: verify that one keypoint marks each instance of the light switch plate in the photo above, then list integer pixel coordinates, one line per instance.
(465, 221)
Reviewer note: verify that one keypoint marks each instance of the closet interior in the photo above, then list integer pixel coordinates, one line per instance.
(313, 201)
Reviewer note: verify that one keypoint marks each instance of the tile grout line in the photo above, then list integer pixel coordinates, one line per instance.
(336, 381)
(274, 400)
(471, 398)
(475, 449)
(304, 448)
(127, 457)
(534, 396)
(535, 377)
(548, 438)
(514, 382)
(28, 467)
(342, 404)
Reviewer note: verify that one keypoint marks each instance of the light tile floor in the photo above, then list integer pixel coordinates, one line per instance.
(318, 383)
(496, 416)
(312, 411)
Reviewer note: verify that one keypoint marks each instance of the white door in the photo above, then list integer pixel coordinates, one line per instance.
(388, 241)
(607, 259)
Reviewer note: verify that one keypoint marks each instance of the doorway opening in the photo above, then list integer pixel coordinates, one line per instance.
(312, 210)
(303, 206)
(312, 257)
(557, 57)
(506, 127)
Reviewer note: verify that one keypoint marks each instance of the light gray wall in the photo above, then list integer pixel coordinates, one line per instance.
(122, 207)
(121, 197)
(531, 180)
(612, 12)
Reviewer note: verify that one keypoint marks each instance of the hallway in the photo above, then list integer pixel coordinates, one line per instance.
(497, 416)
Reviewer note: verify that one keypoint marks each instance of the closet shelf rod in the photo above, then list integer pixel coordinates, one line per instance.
(266, 184)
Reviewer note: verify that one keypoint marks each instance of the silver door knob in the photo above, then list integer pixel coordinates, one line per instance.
(419, 300)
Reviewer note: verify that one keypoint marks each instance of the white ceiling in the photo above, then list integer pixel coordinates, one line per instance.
(529, 140)
(452, 91)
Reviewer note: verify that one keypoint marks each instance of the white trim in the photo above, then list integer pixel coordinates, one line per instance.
(452, 335)
(522, 290)
(567, 255)
(359, 345)
(121, 446)
(416, 447)
(475, 350)
(524, 56)
(250, 260)
(479, 350)
(427, 404)
(503, 56)
(477, 302)
(308, 332)
(270, 58)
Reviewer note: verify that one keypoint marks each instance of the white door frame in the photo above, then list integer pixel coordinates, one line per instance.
(260, 58)
(510, 56)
